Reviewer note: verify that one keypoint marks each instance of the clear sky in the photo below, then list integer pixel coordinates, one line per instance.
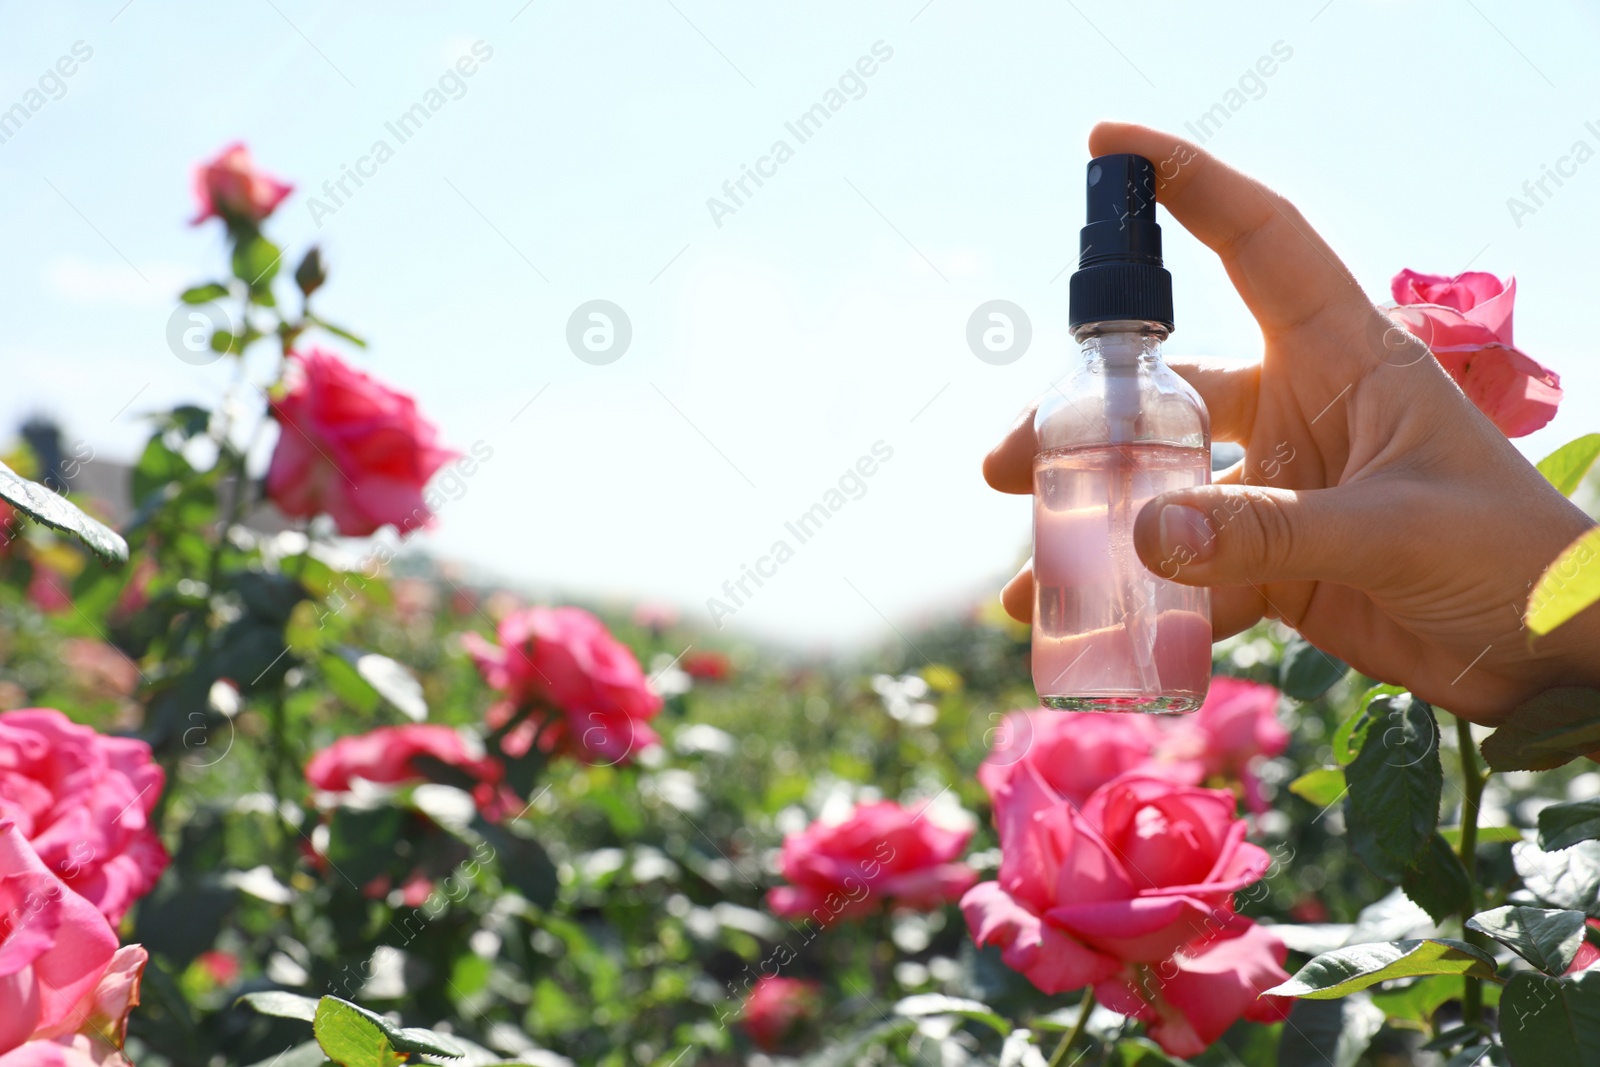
(827, 313)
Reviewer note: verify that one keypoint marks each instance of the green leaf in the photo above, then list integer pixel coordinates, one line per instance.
(1018, 1050)
(1551, 1022)
(224, 342)
(1322, 787)
(1438, 882)
(1545, 938)
(1569, 878)
(55, 511)
(1346, 970)
(1414, 1005)
(361, 841)
(524, 864)
(1140, 1052)
(1566, 466)
(204, 294)
(351, 1039)
(338, 331)
(1564, 825)
(1392, 809)
(1352, 732)
(1487, 835)
(255, 262)
(1567, 586)
(306, 1055)
(281, 1004)
(939, 1004)
(347, 683)
(1328, 1033)
(1306, 672)
(182, 918)
(403, 1039)
(389, 680)
(1553, 728)
(849, 1051)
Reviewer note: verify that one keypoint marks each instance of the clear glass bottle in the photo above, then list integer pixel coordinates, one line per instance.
(1110, 634)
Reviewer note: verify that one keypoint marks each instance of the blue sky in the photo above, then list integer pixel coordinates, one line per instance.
(826, 314)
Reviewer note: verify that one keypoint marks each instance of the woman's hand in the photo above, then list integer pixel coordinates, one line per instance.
(1376, 510)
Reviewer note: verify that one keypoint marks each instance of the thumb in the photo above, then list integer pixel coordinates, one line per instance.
(1238, 534)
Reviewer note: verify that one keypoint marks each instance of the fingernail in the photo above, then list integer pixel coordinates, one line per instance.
(1185, 534)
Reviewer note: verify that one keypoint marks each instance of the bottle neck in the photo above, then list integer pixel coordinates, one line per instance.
(1121, 353)
(1120, 342)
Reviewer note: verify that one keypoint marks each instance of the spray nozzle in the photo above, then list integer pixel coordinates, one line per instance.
(1119, 274)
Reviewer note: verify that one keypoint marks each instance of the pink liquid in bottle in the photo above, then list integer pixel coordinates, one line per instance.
(1108, 633)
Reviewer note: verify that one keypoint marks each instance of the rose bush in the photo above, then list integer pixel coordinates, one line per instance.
(674, 894)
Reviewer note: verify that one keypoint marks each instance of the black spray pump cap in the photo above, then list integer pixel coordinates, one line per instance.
(1119, 273)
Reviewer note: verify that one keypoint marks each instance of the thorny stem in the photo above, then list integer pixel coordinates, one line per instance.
(1472, 780)
(1085, 1006)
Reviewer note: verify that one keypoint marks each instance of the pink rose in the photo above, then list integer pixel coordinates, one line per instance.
(1466, 321)
(352, 448)
(388, 755)
(54, 946)
(1078, 752)
(1190, 1000)
(882, 852)
(232, 189)
(778, 1011)
(1237, 723)
(92, 1033)
(708, 666)
(1143, 875)
(589, 696)
(83, 800)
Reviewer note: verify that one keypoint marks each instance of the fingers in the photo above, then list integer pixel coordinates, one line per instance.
(1233, 607)
(1230, 390)
(1285, 272)
(1017, 596)
(1238, 535)
(1009, 468)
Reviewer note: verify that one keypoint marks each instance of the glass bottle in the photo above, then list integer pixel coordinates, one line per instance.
(1110, 634)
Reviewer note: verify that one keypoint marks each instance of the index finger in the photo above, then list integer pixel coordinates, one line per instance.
(1285, 272)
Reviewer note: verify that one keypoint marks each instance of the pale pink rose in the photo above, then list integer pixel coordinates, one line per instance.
(1466, 322)
(231, 188)
(83, 800)
(1237, 724)
(388, 755)
(1139, 880)
(1190, 1000)
(352, 448)
(779, 1011)
(585, 687)
(1078, 752)
(54, 946)
(882, 854)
